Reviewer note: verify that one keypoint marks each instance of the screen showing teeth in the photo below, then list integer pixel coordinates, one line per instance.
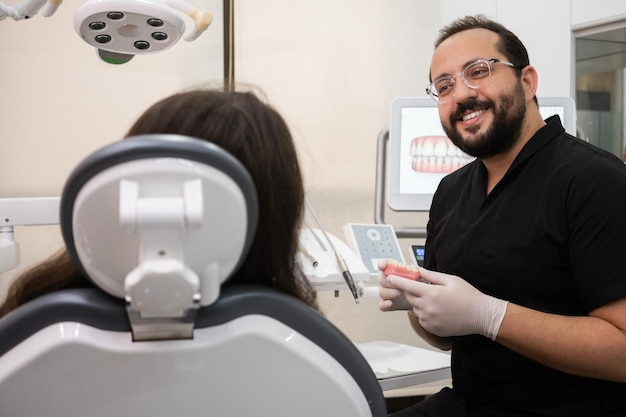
(420, 153)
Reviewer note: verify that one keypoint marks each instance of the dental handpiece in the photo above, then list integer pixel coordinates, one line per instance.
(347, 276)
(341, 263)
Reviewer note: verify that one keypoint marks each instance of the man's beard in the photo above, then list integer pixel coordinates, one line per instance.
(505, 129)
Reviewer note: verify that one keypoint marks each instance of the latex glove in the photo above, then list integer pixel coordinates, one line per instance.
(392, 298)
(449, 306)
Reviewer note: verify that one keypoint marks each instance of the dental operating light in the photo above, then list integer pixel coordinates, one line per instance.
(121, 29)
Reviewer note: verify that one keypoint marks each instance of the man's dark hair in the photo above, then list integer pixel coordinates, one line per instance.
(510, 45)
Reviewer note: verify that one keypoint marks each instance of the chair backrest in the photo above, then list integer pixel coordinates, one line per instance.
(159, 223)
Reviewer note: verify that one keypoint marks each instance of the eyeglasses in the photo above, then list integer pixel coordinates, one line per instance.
(474, 75)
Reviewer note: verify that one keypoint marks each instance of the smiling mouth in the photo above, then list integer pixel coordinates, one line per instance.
(436, 154)
(472, 115)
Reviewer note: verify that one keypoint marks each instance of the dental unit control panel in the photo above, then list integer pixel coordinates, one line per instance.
(373, 242)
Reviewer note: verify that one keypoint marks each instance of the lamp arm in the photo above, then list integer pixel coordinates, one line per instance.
(202, 18)
(29, 8)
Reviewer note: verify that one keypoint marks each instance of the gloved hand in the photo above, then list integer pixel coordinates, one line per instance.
(447, 305)
(392, 299)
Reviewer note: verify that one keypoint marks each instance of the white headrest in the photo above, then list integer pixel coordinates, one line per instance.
(160, 220)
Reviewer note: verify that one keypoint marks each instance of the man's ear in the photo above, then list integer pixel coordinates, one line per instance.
(530, 81)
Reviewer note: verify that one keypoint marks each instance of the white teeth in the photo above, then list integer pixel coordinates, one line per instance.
(441, 149)
(472, 115)
(428, 148)
(436, 154)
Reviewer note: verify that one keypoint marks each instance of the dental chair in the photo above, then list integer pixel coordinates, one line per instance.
(159, 223)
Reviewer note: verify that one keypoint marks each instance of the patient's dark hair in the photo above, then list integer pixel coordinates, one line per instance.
(259, 138)
(55, 273)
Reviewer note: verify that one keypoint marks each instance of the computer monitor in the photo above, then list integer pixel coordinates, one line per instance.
(420, 153)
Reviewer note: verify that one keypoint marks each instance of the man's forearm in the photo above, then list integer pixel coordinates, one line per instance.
(587, 346)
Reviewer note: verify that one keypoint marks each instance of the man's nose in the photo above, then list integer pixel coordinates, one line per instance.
(462, 91)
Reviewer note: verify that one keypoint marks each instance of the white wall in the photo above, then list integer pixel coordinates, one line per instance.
(332, 68)
(587, 13)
